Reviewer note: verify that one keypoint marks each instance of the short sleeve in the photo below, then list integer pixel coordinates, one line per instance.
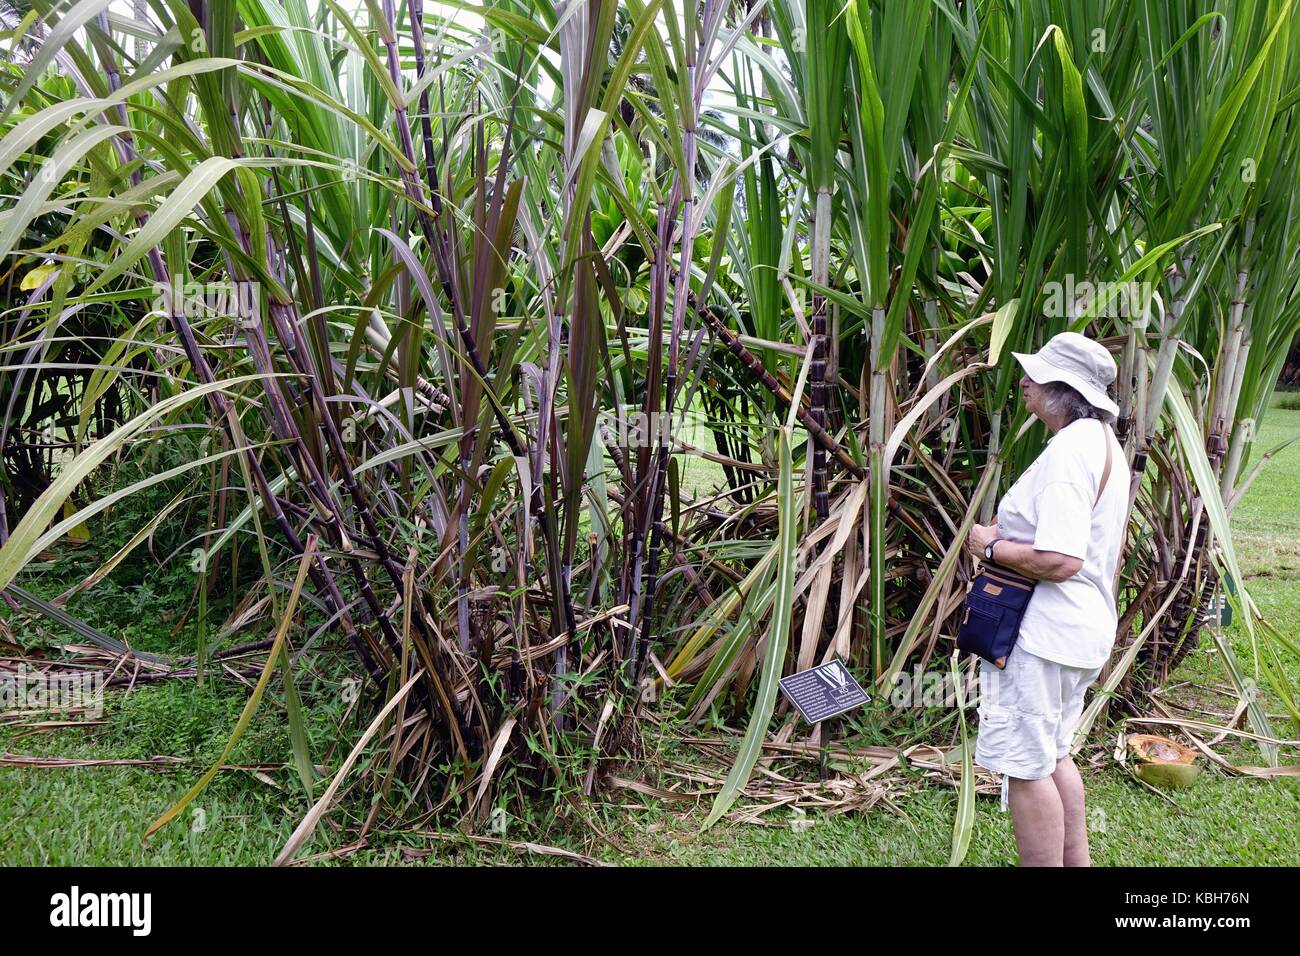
(1063, 512)
(1064, 519)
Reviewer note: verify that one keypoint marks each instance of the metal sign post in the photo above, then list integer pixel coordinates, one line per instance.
(821, 694)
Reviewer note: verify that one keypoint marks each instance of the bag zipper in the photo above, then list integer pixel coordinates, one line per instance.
(1001, 579)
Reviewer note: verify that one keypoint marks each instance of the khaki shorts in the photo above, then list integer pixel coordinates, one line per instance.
(1028, 713)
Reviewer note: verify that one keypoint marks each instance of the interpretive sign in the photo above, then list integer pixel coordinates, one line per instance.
(824, 691)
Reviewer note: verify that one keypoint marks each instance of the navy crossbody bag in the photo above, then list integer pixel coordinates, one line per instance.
(997, 598)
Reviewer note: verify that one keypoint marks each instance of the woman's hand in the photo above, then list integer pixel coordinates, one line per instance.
(979, 537)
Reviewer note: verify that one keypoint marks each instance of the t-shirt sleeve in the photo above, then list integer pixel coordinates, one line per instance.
(1064, 506)
(1064, 519)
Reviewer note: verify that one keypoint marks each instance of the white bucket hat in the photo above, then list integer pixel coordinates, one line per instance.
(1078, 361)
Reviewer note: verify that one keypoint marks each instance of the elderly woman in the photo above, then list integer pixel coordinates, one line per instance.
(1062, 523)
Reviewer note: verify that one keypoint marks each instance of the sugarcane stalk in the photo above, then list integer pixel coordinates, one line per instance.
(879, 492)
(328, 516)
(416, 11)
(1170, 326)
(684, 192)
(1241, 433)
(755, 365)
(820, 251)
(1233, 360)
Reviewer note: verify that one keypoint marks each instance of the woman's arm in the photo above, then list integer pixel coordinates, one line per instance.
(1025, 558)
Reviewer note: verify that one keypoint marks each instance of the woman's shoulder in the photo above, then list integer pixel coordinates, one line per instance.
(1081, 438)
(1074, 452)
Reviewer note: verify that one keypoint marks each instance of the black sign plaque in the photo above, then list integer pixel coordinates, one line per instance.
(824, 691)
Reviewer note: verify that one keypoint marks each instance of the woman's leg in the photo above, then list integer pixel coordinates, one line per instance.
(1074, 685)
(1039, 821)
(1017, 738)
(1069, 785)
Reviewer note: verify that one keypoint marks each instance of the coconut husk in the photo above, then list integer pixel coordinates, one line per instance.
(1163, 762)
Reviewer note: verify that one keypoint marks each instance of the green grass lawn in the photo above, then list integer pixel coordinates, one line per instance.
(96, 815)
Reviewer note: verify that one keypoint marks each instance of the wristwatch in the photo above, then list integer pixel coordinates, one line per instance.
(988, 549)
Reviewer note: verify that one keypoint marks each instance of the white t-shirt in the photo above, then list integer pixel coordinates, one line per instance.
(1050, 507)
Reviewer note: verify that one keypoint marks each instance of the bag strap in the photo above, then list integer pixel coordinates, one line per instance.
(1105, 474)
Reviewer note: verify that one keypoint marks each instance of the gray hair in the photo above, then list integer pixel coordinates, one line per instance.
(1062, 399)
